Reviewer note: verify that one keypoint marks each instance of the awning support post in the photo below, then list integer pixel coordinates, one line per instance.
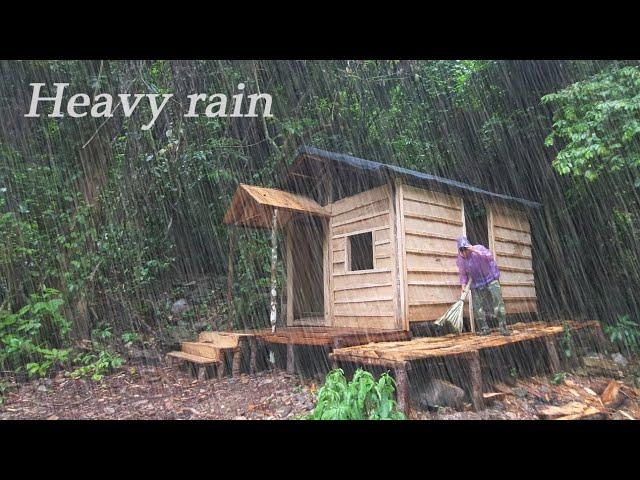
(274, 260)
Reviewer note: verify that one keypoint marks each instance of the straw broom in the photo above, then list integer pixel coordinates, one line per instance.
(453, 316)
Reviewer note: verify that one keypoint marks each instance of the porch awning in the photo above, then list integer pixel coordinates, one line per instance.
(253, 206)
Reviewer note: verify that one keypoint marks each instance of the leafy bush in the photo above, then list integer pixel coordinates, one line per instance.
(4, 388)
(130, 338)
(99, 359)
(626, 332)
(31, 340)
(96, 363)
(31, 337)
(558, 378)
(361, 399)
(597, 122)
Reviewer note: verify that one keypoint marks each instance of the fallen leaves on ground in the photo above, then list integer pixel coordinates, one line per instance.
(534, 398)
(158, 392)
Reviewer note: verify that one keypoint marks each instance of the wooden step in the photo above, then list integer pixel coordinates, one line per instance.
(220, 339)
(193, 358)
(202, 349)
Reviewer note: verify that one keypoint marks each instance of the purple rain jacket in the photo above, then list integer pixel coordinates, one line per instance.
(480, 266)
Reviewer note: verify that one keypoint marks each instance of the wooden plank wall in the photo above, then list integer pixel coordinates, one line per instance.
(364, 298)
(432, 223)
(510, 242)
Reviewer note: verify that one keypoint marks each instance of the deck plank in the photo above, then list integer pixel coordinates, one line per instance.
(429, 347)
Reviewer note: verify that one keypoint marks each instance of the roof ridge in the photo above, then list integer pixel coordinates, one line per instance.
(357, 162)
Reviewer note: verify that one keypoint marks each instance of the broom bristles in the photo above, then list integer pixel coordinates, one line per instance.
(455, 313)
(453, 316)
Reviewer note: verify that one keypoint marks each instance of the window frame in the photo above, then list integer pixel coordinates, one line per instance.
(348, 258)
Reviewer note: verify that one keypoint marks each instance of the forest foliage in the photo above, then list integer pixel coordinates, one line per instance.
(103, 223)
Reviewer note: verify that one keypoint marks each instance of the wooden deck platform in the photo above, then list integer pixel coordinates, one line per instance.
(328, 338)
(335, 337)
(213, 348)
(399, 356)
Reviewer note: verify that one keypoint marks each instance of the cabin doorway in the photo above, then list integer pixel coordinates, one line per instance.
(306, 282)
(477, 227)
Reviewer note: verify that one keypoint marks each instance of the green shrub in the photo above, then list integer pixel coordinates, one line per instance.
(361, 399)
(96, 363)
(99, 359)
(31, 337)
(625, 332)
(4, 388)
(558, 378)
(131, 338)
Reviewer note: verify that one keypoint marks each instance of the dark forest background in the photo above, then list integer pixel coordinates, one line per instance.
(104, 226)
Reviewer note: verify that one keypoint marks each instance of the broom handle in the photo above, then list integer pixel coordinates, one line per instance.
(472, 322)
(465, 292)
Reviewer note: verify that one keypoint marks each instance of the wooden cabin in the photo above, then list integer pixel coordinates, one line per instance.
(373, 246)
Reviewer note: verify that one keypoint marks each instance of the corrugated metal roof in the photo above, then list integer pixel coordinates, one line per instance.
(394, 170)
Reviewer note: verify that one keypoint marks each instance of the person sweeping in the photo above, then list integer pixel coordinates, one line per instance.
(477, 265)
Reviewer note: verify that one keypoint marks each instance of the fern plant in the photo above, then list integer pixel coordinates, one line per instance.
(361, 399)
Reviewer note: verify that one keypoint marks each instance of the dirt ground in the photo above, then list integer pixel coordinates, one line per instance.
(529, 398)
(159, 392)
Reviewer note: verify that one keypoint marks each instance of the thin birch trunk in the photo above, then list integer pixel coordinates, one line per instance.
(230, 275)
(274, 260)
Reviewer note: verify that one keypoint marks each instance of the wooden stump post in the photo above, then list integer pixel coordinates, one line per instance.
(332, 361)
(601, 339)
(201, 372)
(253, 352)
(327, 352)
(552, 353)
(291, 359)
(402, 387)
(220, 367)
(236, 363)
(475, 376)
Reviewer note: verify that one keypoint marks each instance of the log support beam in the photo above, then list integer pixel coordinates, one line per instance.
(253, 353)
(220, 367)
(402, 387)
(475, 377)
(291, 359)
(236, 363)
(552, 354)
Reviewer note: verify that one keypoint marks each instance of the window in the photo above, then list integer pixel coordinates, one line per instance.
(361, 251)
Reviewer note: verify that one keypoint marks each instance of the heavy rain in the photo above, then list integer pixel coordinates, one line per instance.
(172, 250)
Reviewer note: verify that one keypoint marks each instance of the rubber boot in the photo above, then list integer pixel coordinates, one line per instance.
(483, 329)
(503, 329)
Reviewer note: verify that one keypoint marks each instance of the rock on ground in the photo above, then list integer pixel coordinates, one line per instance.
(439, 393)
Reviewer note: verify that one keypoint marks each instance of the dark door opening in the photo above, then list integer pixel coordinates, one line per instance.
(475, 216)
(308, 270)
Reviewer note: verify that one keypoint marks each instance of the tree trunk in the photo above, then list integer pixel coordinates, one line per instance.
(230, 273)
(274, 260)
